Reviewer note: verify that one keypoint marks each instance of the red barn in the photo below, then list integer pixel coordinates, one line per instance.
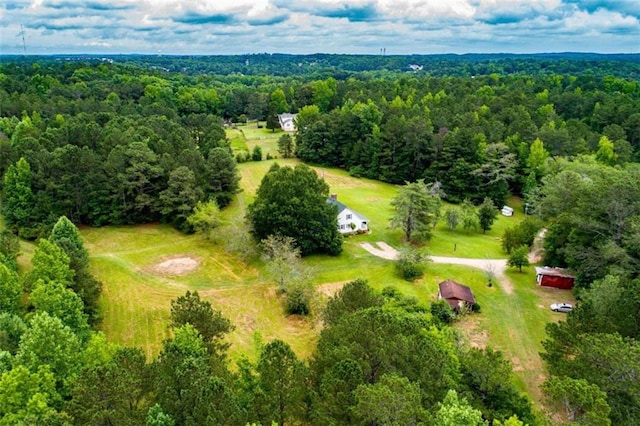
(554, 277)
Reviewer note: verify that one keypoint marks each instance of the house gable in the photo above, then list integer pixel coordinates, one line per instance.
(349, 221)
(455, 294)
(287, 122)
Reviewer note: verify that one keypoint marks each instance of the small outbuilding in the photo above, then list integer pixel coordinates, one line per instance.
(457, 295)
(554, 277)
(507, 211)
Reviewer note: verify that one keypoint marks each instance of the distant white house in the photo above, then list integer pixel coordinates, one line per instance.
(349, 221)
(287, 122)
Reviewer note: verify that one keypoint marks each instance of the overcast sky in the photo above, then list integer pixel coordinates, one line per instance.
(326, 26)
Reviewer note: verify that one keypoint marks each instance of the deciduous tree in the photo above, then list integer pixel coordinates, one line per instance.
(293, 203)
(487, 214)
(519, 258)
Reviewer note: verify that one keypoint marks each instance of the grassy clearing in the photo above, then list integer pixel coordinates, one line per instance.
(247, 136)
(237, 140)
(136, 300)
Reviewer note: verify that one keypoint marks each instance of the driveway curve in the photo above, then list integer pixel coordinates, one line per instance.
(497, 267)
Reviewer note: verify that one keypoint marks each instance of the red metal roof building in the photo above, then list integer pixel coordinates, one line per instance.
(554, 277)
(455, 294)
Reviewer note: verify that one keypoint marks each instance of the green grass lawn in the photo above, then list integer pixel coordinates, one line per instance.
(247, 136)
(135, 304)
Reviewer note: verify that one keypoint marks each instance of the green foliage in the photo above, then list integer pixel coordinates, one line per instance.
(519, 258)
(605, 360)
(593, 210)
(29, 398)
(10, 290)
(256, 153)
(489, 377)
(298, 298)
(394, 400)
(383, 341)
(9, 249)
(416, 209)
(48, 342)
(156, 417)
(293, 203)
(583, 403)
(180, 198)
(522, 234)
(470, 221)
(186, 385)
(205, 218)
(452, 218)
(18, 200)
(286, 146)
(354, 295)
(113, 392)
(66, 236)
(612, 305)
(281, 384)
(487, 214)
(56, 300)
(455, 411)
(12, 327)
(50, 264)
(221, 176)
(212, 326)
(442, 312)
(410, 264)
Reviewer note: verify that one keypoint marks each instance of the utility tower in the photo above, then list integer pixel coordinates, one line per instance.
(24, 43)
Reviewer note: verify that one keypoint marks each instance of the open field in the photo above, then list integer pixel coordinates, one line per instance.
(136, 297)
(247, 136)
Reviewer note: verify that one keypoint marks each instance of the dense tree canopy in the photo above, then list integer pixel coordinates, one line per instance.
(292, 202)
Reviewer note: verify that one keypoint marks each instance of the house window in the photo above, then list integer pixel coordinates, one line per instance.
(342, 227)
(348, 216)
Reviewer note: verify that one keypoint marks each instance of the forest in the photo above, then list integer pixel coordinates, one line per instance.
(135, 140)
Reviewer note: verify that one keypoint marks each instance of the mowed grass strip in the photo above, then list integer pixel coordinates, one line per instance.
(136, 300)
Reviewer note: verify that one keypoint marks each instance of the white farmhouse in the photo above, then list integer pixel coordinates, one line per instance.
(287, 122)
(349, 222)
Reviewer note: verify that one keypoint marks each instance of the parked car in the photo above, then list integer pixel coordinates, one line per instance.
(561, 307)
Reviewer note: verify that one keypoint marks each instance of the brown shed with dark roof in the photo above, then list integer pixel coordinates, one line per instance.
(455, 293)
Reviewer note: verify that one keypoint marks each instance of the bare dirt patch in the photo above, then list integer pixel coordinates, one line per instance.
(470, 328)
(329, 289)
(383, 250)
(176, 266)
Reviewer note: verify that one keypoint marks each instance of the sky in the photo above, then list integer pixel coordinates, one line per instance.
(222, 27)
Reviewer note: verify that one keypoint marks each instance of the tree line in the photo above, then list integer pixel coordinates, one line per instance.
(479, 136)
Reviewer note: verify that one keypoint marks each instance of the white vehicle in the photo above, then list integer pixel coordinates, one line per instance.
(561, 307)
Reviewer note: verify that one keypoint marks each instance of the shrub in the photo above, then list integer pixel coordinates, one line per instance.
(298, 299)
(242, 157)
(442, 312)
(357, 171)
(256, 154)
(522, 234)
(411, 264)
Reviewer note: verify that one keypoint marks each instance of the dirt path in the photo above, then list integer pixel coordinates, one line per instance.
(495, 266)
